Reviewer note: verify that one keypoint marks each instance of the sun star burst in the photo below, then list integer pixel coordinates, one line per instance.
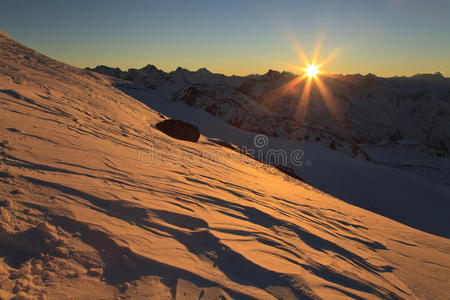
(312, 70)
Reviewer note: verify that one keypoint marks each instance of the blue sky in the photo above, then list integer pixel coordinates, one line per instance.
(391, 37)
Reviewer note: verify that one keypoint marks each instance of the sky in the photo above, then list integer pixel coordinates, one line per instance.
(384, 37)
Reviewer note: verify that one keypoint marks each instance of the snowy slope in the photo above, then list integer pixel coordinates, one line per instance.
(95, 202)
(410, 198)
(365, 117)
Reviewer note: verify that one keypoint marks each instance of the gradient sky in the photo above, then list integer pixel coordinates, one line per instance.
(385, 37)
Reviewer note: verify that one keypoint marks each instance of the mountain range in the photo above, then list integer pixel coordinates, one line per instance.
(360, 110)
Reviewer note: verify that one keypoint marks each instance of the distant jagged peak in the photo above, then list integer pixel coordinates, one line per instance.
(203, 71)
(272, 73)
(431, 76)
(3, 34)
(287, 73)
(370, 78)
(437, 75)
(180, 69)
(103, 67)
(105, 70)
(151, 68)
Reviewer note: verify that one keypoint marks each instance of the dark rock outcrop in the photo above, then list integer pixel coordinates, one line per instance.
(179, 130)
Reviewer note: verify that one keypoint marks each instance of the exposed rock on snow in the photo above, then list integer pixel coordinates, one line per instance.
(179, 130)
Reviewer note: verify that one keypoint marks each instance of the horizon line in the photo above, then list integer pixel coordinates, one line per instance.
(437, 73)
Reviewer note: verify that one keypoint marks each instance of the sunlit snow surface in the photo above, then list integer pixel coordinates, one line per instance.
(96, 202)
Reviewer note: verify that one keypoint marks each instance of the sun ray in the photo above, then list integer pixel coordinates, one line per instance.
(318, 48)
(304, 101)
(291, 86)
(328, 98)
(288, 89)
(294, 43)
(332, 56)
(301, 54)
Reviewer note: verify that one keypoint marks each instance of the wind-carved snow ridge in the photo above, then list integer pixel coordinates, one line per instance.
(95, 202)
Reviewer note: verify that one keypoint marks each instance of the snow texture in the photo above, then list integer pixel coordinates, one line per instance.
(95, 202)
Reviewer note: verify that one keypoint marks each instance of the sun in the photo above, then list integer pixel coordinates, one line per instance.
(312, 70)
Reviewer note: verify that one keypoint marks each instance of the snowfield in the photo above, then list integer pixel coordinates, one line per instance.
(97, 203)
(418, 200)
